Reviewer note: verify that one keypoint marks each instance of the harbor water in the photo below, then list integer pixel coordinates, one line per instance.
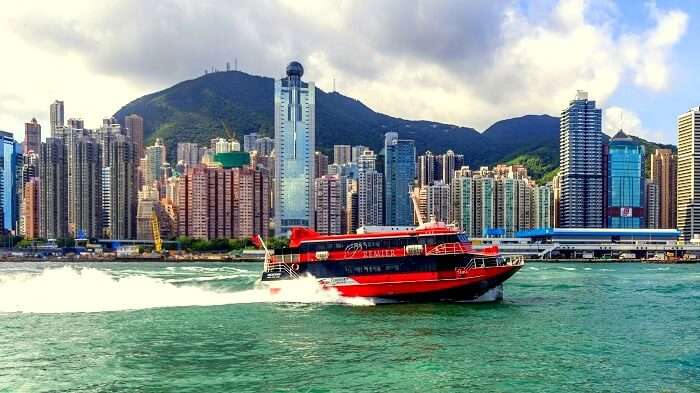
(154, 327)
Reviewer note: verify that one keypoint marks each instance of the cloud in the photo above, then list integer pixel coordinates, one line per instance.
(616, 118)
(468, 63)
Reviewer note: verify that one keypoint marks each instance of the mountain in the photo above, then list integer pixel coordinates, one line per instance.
(200, 109)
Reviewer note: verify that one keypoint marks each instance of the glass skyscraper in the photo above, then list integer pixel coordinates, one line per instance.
(580, 163)
(295, 129)
(399, 172)
(9, 173)
(625, 183)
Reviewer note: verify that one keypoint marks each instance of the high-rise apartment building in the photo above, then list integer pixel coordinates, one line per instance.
(543, 201)
(223, 145)
(435, 201)
(663, 174)
(626, 184)
(249, 141)
(580, 155)
(351, 205)
(499, 201)
(218, 203)
(370, 186)
(329, 205)
(450, 163)
(85, 188)
(320, 164)
(342, 154)
(10, 181)
(652, 206)
(688, 178)
(123, 188)
(31, 206)
(264, 146)
(399, 173)
(32, 137)
(357, 151)
(188, 153)
(56, 114)
(295, 133)
(53, 189)
(426, 169)
(155, 158)
(134, 130)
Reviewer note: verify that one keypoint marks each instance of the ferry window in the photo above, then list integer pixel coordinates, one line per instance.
(427, 240)
(463, 238)
(394, 267)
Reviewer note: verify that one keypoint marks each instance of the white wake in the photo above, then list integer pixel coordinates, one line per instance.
(68, 289)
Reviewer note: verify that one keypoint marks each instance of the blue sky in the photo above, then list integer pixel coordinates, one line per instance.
(469, 63)
(658, 110)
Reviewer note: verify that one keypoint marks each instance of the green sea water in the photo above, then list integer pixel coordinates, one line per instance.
(148, 327)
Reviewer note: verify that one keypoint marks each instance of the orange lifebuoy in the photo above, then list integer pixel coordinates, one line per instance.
(295, 267)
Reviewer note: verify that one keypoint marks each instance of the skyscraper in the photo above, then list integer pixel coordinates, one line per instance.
(399, 173)
(321, 164)
(155, 158)
(626, 188)
(663, 175)
(85, 188)
(30, 209)
(450, 163)
(53, 188)
(218, 203)
(436, 201)
(357, 152)
(463, 198)
(56, 116)
(688, 208)
(10, 182)
(32, 136)
(188, 153)
(295, 133)
(123, 188)
(580, 155)
(329, 205)
(652, 206)
(342, 154)
(369, 191)
(543, 200)
(264, 146)
(134, 130)
(249, 141)
(426, 169)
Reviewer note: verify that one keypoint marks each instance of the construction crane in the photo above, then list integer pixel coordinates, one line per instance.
(155, 227)
(230, 134)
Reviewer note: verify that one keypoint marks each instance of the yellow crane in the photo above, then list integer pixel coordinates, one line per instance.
(155, 227)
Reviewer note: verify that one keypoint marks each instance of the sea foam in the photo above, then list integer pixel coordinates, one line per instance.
(69, 289)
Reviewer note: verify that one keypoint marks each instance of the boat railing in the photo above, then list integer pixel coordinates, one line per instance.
(290, 269)
(511, 260)
(448, 249)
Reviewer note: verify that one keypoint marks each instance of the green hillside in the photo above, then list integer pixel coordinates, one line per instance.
(200, 109)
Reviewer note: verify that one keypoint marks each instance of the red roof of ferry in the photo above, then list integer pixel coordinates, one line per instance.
(302, 234)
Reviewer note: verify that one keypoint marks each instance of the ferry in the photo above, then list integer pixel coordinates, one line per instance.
(430, 262)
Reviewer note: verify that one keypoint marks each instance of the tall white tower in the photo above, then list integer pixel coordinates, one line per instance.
(295, 133)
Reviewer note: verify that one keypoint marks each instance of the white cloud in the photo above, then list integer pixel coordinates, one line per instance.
(467, 63)
(616, 118)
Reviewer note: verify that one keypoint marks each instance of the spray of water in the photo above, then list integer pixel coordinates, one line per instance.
(69, 289)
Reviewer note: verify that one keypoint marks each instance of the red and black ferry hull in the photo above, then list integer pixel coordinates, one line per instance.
(413, 279)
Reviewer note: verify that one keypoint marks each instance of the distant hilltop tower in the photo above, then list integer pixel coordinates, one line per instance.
(295, 134)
